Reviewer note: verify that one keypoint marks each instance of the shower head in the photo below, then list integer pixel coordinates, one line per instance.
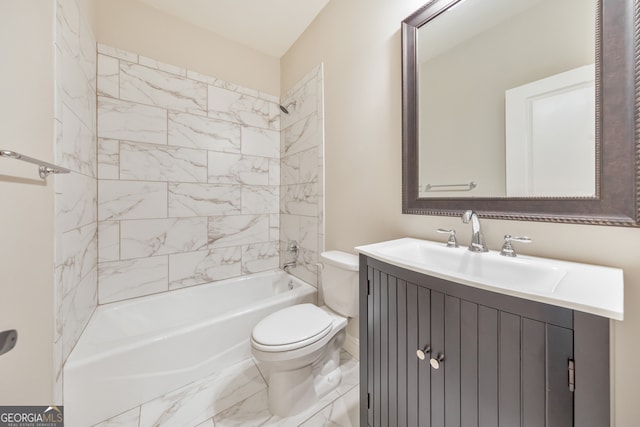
(286, 109)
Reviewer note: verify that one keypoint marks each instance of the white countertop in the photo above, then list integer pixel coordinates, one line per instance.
(584, 287)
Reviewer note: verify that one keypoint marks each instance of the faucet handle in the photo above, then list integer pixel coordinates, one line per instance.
(452, 242)
(293, 249)
(507, 248)
(466, 216)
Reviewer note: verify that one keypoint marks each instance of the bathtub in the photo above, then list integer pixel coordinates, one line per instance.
(137, 350)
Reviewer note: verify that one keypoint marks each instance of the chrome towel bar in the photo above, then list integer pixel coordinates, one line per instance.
(444, 187)
(44, 168)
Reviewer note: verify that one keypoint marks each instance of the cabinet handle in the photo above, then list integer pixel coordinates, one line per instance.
(435, 361)
(422, 353)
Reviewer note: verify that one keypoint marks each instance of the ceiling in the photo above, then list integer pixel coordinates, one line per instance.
(268, 26)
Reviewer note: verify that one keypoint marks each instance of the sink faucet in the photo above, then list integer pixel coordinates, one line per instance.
(477, 239)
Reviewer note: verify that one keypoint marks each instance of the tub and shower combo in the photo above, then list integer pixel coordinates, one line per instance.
(152, 345)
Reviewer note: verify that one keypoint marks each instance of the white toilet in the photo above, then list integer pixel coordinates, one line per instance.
(300, 345)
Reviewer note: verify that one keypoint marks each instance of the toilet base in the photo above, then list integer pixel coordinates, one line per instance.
(292, 391)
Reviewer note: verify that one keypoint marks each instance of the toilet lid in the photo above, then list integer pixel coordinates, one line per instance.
(302, 323)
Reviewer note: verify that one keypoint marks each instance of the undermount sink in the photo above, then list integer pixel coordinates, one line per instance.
(594, 289)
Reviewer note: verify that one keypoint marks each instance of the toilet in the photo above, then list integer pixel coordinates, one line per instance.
(300, 345)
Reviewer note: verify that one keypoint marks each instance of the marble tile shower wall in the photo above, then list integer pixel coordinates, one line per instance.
(76, 244)
(302, 174)
(188, 177)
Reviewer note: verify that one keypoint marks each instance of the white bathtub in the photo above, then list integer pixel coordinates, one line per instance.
(134, 351)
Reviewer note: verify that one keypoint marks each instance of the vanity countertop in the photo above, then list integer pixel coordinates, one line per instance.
(584, 287)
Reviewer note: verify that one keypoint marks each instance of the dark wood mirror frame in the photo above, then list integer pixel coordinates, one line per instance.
(617, 130)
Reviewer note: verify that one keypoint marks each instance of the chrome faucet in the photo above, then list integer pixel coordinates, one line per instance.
(477, 239)
(288, 265)
(293, 251)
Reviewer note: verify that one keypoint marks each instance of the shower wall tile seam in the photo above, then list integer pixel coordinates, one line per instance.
(208, 112)
(73, 260)
(259, 195)
(170, 119)
(76, 227)
(242, 198)
(167, 195)
(72, 289)
(158, 181)
(204, 249)
(299, 120)
(77, 166)
(122, 55)
(167, 128)
(157, 257)
(66, 357)
(175, 111)
(152, 218)
(117, 53)
(161, 147)
(153, 87)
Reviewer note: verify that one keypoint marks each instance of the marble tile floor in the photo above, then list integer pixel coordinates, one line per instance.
(238, 397)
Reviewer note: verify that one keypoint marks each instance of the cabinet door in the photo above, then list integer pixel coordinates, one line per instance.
(522, 370)
(399, 384)
(498, 368)
(389, 383)
(392, 340)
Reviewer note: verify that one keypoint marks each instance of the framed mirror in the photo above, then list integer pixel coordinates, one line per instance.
(521, 109)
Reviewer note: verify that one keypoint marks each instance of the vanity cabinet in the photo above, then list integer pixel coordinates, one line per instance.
(489, 359)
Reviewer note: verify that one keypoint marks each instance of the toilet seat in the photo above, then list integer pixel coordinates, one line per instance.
(291, 328)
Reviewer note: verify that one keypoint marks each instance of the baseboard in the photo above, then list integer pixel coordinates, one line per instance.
(352, 346)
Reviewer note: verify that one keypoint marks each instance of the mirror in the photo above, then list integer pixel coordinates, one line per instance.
(529, 127)
(521, 109)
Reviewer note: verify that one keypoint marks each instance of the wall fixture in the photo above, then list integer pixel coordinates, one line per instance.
(44, 168)
(614, 196)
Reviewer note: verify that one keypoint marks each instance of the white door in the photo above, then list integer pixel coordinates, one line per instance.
(550, 136)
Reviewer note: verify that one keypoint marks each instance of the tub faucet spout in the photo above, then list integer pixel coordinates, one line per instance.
(293, 250)
(288, 265)
(477, 238)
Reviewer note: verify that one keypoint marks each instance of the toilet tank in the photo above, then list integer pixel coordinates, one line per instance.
(340, 282)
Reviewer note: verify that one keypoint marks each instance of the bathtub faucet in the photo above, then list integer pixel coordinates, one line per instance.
(293, 251)
(288, 265)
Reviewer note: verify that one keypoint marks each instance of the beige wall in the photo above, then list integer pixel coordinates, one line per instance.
(89, 12)
(26, 209)
(136, 27)
(359, 43)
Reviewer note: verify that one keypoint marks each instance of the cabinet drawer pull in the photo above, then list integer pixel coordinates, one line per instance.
(422, 353)
(435, 361)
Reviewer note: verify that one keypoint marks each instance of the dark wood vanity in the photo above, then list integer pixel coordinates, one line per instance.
(486, 359)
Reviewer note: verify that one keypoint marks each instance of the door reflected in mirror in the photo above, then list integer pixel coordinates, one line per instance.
(506, 100)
